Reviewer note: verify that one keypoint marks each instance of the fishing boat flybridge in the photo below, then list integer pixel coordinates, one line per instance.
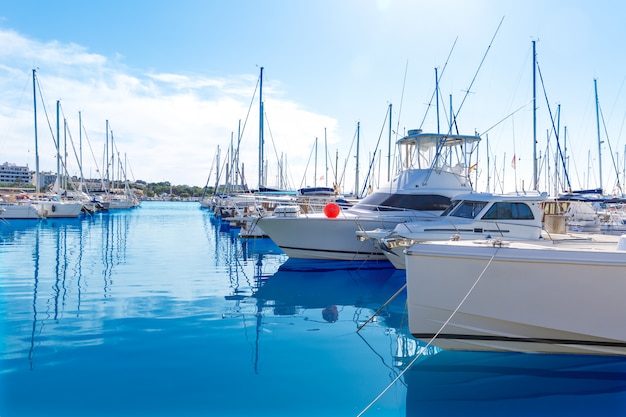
(434, 168)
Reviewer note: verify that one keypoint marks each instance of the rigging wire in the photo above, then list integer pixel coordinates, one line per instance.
(506, 117)
(333, 167)
(282, 177)
(206, 186)
(432, 97)
(560, 153)
(406, 68)
(306, 168)
(235, 157)
(606, 133)
(93, 156)
(43, 103)
(454, 116)
(373, 160)
(343, 174)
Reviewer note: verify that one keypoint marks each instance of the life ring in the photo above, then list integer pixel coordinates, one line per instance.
(54, 208)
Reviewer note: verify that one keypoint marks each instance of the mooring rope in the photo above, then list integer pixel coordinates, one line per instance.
(497, 243)
(382, 307)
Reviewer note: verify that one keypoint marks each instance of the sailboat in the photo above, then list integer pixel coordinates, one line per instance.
(118, 198)
(17, 207)
(49, 204)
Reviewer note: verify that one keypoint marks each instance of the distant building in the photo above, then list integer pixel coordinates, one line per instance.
(47, 180)
(12, 174)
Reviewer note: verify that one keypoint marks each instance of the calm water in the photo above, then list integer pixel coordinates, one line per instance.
(161, 311)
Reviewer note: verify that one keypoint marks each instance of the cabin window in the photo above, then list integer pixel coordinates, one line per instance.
(468, 209)
(451, 207)
(388, 202)
(509, 211)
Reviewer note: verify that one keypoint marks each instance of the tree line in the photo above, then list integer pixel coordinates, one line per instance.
(156, 189)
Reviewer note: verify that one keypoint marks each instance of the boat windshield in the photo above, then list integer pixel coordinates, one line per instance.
(465, 208)
(388, 202)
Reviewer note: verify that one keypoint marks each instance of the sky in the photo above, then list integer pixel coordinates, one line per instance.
(178, 80)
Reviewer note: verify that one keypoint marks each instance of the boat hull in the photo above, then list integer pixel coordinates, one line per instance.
(122, 203)
(525, 297)
(319, 237)
(59, 209)
(18, 211)
(395, 255)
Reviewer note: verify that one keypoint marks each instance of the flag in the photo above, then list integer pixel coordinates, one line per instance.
(513, 162)
(473, 167)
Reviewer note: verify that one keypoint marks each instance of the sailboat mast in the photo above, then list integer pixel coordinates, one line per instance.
(488, 164)
(389, 148)
(535, 180)
(58, 143)
(356, 183)
(112, 161)
(80, 149)
(37, 177)
(315, 168)
(437, 97)
(238, 173)
(261, 141)
(595, 85)
(325, 159)
(217, 171)
(106, 154)
(566, 164)
(336, 183)
(65, 153)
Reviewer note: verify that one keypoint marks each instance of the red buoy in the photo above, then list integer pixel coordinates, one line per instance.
(331, 210)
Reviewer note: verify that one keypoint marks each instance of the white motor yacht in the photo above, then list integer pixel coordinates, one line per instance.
(470, 216)
(542, 296)
(435, 169)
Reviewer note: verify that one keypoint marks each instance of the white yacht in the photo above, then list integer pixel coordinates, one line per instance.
(22, 208)
(53, 206)
(470, 216)
(541, 296)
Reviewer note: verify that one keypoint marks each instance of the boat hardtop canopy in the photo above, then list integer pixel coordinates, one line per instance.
(434, 140)
(489, 197)
(441, 151)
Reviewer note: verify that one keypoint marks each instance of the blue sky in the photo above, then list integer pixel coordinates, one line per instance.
(175, 79)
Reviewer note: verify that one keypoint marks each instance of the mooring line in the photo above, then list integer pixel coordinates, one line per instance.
(497, 244)
(381, 308)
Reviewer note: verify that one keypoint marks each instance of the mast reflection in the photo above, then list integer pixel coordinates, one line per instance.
(58, 290)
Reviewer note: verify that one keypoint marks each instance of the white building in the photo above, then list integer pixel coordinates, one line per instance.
(12, 174)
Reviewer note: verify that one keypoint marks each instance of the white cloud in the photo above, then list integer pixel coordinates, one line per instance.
(166, 125)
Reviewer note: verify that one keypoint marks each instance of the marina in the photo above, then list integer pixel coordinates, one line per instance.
(280, 220)
(163, 310)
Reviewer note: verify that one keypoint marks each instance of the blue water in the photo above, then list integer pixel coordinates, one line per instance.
(163, 311)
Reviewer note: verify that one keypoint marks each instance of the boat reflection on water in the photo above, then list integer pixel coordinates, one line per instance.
(327, 285)
(365, 293)
(313, 294)
(516, 384)
(258, 248)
